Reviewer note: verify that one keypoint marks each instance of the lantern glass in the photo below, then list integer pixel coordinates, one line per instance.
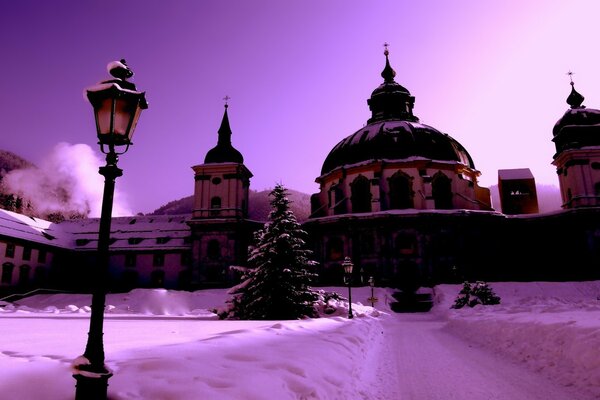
(348, 266)
(117, 112)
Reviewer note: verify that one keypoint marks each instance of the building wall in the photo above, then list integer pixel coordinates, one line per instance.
(579, 177)
(24, 264)
(336, 188)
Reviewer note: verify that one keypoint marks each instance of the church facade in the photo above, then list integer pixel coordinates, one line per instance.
(399, 197)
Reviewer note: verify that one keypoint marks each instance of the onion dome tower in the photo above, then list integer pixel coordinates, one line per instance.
(577, 139)
(396, 162)
(221, 231)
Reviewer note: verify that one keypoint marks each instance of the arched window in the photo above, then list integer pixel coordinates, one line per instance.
(215, 205)
(213, 250)
(361, 194)
(7, 270)
(215, 202)
(24, 275)
(401, 193)
(39, 275)
(337, 200)
(335, 249)
(442, 191)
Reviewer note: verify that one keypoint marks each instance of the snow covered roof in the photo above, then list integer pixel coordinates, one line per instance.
(32, 229)
(517, 173)
(150, 232)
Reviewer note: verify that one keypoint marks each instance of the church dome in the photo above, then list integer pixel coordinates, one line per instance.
(578, 127)
(394, 133)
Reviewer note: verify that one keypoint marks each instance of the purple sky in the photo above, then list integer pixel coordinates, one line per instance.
(490, 74)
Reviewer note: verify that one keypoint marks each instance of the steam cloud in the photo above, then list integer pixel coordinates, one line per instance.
(66, 182)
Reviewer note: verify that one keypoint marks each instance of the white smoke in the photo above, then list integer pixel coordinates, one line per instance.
(67, 182)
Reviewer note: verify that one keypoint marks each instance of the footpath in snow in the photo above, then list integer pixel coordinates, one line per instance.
(540, 343)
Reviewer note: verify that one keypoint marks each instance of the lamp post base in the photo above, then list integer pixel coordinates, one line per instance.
(91, 388)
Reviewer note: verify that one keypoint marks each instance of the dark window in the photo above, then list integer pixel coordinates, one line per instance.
(157, 279)
(134, 240)
(7, 270)
(10, 250)
(215, 202)
(24, 275)
(597, 188)
(130, 259)
(442, 192)
(186, 259)
(81, 242)
(187, 240)
(41, 255)
(401, 194)
(162, 240)
(335, 249)
(367, 244)
(159, 260)
(406, 244)
(129, 279)
(26, 253)
(39, 275)
(216, 180)
(337, 200)
(213, 250)
(361, 195)
(215, 205)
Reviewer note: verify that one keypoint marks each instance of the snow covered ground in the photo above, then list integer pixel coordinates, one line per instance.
(541, 342)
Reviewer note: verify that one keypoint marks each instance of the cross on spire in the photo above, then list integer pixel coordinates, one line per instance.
(226, 98)
(571, 76)
(385, 46)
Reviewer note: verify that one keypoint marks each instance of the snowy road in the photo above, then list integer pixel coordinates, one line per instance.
(421, 360)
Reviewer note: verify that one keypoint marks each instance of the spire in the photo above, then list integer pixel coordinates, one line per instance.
(388, 72)
(575, 99)
(225, 129)
(224, 151)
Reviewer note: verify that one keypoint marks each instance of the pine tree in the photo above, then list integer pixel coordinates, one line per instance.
(277, 284)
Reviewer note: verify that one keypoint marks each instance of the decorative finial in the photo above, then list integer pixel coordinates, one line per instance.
(388, 72)
(575, 99)
(226, 98)
(119, 69)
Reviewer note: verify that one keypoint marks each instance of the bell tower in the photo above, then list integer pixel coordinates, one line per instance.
(220, 229)
(577, 158)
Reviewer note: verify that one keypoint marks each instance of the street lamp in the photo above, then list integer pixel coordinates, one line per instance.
(348, 266)
(117, 108)
(372, 299)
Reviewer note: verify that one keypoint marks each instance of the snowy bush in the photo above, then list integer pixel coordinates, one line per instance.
(472, 294)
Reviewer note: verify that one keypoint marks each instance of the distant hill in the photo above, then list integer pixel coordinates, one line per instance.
(10, 161)
(9, 201)
(259, 205)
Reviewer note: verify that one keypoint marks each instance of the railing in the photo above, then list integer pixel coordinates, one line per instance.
(32, 292)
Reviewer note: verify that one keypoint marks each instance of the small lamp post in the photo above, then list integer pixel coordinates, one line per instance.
(348, 267)
(117, 108)
(372, 299)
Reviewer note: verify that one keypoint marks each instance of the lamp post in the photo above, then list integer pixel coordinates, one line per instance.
(372, 299)
(117, 108)
(348, 266)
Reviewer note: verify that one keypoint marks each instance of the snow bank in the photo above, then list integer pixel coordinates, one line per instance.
(553, 327)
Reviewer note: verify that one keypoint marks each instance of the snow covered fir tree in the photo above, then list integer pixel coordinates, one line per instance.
(277, 285)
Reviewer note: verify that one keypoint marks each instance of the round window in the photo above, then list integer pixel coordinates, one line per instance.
(216, 181)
